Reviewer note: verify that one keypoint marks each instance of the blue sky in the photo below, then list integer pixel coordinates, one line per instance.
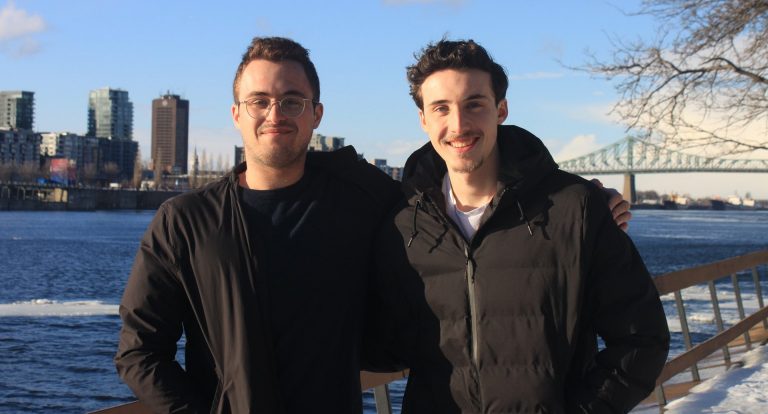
(61, 50)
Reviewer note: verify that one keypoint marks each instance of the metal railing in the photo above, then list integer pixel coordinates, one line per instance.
(676, 282)
(377, 381)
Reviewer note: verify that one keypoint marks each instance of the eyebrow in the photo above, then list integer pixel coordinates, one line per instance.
(469, 98)
(291, 92)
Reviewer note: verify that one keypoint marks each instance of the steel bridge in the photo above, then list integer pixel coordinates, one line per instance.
(632, 156)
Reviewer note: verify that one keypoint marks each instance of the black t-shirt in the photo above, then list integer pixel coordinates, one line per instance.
(275, 219)
(313, 245)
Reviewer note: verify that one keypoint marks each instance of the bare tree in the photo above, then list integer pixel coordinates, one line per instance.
(28, 172)
(90, 173)
(6, 172)
(137, 171)
(703, 82)
(111, 171)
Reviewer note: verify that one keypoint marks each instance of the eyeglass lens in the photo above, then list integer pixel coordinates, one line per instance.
(288, 106)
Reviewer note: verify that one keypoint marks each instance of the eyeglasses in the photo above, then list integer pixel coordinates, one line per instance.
(290, 106)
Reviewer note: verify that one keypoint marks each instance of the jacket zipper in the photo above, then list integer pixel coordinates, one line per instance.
(472, 309)
(471, 294)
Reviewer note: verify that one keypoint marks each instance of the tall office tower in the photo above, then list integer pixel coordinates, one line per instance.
(17, 109)
(170, 133)
(110, 114)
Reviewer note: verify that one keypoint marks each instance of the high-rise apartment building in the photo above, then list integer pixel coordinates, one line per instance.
(394, 172)
(82, 152)
(239, 155)
(19, 147)
(323, 143)
(17, 109)
(110, 114)
(170, 133)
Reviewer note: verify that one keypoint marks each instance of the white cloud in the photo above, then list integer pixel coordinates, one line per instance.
(536, 76)
(578, 146)
(16, 23)
(16, 30)
(600, 113)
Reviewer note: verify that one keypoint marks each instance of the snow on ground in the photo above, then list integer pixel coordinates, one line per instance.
(740, 390)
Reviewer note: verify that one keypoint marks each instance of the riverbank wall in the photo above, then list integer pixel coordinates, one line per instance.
(75, 199)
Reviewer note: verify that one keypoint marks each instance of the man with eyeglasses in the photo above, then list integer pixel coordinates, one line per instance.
(266, 272)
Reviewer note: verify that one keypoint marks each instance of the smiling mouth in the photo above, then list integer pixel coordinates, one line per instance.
(275, 131)
(463, 144)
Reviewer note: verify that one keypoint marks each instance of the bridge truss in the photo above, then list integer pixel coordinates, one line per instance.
(635, 156)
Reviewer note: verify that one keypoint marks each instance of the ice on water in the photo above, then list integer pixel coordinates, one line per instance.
(47, 307)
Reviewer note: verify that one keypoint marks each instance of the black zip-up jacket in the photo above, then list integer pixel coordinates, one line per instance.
(506, 322)
(198, 270)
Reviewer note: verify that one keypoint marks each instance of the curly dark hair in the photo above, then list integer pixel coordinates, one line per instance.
(459, 55)
(278, 49)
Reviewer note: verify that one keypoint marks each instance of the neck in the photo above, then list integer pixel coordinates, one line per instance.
(261, 177)
(476, 188)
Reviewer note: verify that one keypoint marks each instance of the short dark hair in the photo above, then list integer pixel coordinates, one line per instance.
(459, 55)
(278, 49)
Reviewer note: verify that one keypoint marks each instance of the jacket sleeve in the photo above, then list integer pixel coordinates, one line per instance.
(389, 318)
(623, 307)
(152, 310)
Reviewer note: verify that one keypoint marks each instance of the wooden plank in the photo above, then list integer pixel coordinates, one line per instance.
(135, 407)
(681, 279)
(683, 361)
(373, 379)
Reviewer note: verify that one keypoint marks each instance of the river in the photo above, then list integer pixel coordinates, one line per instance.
(62, 275)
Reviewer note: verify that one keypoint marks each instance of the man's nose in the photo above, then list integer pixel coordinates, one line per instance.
(274, 112)
(458, 121)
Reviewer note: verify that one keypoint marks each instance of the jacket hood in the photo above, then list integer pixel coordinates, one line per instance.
(336, 162)
(524, 162)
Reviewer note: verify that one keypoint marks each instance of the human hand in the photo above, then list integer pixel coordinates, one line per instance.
(619, 207)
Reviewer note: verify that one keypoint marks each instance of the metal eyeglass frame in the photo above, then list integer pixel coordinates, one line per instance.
(279, 103)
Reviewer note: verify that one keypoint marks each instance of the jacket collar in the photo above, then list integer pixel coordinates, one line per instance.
(335, 162)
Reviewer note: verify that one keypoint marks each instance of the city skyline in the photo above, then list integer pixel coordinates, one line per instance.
(360, 62)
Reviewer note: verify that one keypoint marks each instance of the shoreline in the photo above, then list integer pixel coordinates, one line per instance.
(21, 198)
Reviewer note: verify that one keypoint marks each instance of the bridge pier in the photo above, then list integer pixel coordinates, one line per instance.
(629, 188)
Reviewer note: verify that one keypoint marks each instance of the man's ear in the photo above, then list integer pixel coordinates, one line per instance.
(503, 111)
(422, 120)
(318, 113)
(236, 115)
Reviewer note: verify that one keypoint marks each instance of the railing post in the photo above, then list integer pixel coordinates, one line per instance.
(660, 397)
(740, 305)
(686, 332)
(719, 320)
(381, 396)
(759, 292)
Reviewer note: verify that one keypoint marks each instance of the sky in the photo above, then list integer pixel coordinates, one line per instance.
(62, 50)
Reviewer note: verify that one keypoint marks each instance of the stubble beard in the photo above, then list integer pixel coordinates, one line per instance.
(280, 158)
(467, 166)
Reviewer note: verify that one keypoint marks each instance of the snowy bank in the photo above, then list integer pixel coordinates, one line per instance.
(740, 390)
